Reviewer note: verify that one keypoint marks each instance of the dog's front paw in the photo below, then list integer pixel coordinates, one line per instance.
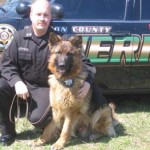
(94, 137)
(57, 146)
(38, 142)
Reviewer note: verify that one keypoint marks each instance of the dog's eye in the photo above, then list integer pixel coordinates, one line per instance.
(69, 54)
(58, 52)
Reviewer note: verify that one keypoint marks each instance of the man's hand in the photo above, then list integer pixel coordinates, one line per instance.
(84, 90)
(21, 90)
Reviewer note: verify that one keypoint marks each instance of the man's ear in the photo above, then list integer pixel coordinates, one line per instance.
(53, 39)
(76, 41)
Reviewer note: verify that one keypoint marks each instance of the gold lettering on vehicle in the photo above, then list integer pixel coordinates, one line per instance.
(129, 50)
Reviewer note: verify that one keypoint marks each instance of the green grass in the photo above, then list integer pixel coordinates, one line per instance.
(133, 133)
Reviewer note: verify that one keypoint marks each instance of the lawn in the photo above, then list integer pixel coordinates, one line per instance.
(133, 133)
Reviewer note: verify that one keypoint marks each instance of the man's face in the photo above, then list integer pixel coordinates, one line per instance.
(40, 16)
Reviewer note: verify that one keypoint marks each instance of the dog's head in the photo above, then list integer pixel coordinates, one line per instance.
(65, 55)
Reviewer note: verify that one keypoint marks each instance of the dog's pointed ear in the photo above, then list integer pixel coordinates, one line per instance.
(53, 39)
(76, 41)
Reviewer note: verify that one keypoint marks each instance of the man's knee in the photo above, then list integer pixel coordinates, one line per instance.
(40, 121)
(5, 90)
(2, 85)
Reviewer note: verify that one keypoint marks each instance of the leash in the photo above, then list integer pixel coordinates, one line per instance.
(18, 109)
(46, 111)
(27, 109)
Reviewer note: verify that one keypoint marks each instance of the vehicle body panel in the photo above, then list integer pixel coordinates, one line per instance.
(116, 38)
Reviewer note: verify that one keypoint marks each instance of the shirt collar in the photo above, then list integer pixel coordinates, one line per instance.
(30, 34)
(42, 40)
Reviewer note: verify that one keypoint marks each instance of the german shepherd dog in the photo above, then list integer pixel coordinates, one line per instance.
(71, 115)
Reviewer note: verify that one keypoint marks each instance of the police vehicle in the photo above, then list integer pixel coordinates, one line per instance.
(116, 36)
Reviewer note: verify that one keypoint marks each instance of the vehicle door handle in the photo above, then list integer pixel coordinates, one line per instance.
(120, 34)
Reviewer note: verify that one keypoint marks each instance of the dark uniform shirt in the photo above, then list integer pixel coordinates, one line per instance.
(27, 59)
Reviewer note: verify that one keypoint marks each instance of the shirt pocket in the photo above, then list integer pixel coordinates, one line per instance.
(24, 56)
(25, 61)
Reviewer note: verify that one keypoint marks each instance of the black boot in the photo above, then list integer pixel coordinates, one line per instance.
(7, 139)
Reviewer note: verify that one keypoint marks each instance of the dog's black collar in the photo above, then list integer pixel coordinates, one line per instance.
(69, 82)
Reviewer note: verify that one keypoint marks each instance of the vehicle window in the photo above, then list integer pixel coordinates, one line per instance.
(93, 9)
(145, 9)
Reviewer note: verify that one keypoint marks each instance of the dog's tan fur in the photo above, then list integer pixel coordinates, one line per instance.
(71, 114)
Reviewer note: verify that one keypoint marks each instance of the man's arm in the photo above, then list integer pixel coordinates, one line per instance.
(9, 69)
(91, 70)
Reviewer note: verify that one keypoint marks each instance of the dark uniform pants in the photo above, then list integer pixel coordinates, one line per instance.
(98, 100)
(38, 105)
